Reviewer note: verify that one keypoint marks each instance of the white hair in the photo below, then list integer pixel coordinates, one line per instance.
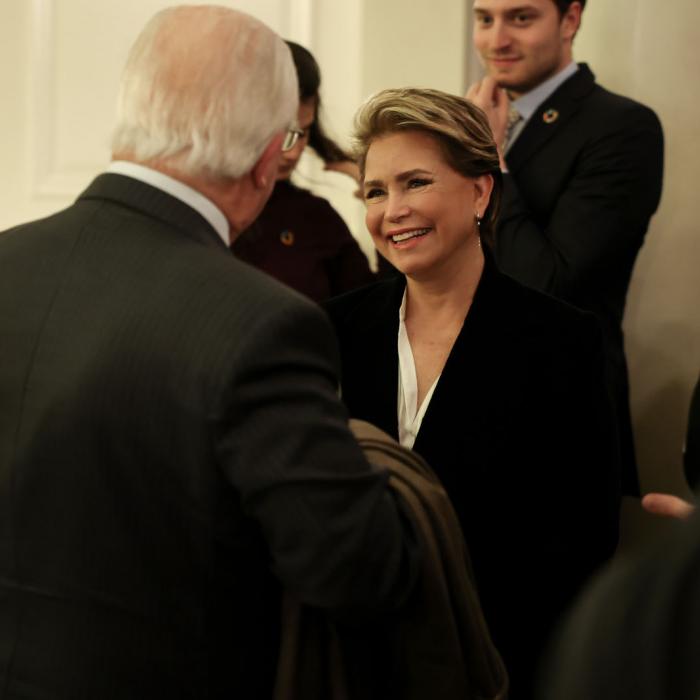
(204, 90)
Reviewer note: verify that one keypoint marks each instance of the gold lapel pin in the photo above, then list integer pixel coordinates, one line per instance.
(550, 116)
(287, 237)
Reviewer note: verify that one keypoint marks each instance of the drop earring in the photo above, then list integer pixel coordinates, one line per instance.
(478, 229)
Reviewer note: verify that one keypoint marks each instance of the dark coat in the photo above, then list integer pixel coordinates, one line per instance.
(172, 451)
(520, 432)
(635, 633)
(302, 241)
(437, 646)
(691, 453)
(584, 179)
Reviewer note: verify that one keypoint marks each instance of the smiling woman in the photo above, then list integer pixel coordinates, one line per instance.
(500, 388)
(405, 212)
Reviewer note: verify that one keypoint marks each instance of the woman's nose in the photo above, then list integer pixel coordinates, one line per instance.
(396, 208)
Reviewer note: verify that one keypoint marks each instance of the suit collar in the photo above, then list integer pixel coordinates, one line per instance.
(527, 104)
(178, 189)
(551, 117)
(379, 313)
(155, 203)
(374, 348)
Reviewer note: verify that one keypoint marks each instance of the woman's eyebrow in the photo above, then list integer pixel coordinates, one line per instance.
(401, 177)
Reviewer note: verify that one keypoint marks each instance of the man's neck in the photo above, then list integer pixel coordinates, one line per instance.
(527, 103)
(554, 78)
(175, 188)
(235, 198)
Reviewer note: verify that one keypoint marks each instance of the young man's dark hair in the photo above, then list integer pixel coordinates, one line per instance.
(563, 5)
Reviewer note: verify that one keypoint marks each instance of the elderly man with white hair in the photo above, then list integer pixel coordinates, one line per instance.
(172, 449)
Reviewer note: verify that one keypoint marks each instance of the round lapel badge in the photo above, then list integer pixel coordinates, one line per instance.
(550, 116)
(287, 237)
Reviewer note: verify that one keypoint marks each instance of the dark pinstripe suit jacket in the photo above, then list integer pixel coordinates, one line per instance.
(170, 438)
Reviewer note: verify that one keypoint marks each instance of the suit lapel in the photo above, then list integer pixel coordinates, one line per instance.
(155, 203)
(469, 372)
(551, 117)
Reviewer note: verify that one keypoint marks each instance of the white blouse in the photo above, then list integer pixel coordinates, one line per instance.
(410, 414)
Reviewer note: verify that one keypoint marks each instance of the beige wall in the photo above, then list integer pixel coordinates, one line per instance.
(366, 45)
(58, 65)
(414, 44)
(650, 53)
(60, 62)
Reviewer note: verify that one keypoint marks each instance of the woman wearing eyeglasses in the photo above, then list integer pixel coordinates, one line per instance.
(299, 238)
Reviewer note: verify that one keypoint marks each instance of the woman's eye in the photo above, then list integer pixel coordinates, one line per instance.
(417, 182)
(373, 193)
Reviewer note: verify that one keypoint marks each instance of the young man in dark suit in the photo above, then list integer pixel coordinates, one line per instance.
(172, 448)
(582, 172)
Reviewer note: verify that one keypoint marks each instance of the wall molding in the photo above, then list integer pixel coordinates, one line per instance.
(46, 180)
(49, 181)
(300, 21)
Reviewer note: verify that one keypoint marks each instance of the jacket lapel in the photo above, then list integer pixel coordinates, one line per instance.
(551, 117)
(468, 373)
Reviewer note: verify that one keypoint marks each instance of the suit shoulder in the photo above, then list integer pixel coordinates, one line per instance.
(621, 109)
(542, 313)
(363, 302)
(249, 284)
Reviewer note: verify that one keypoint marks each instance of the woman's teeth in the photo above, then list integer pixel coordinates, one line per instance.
(409, 234)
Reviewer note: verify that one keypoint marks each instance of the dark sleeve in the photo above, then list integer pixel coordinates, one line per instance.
(691, 456)
(586, 500)
(635, 632)
(575, 471)
(335, 533)
(599, 219)
(347, 267)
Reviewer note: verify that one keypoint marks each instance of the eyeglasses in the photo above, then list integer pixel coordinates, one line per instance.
(291, 138)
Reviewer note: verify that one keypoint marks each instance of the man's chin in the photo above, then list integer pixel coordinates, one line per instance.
(506, 79)
(520, 84)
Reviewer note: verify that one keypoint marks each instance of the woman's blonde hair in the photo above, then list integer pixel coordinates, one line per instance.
(460, 127)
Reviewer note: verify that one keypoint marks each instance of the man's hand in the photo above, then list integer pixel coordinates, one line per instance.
(494, 101)
(667, 505)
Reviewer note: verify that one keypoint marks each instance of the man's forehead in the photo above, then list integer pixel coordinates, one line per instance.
(509, 5)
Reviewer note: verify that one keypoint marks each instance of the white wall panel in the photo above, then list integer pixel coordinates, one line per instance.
(61, 61)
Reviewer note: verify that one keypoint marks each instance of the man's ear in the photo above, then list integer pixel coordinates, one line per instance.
(265, 169)
(571, 21)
